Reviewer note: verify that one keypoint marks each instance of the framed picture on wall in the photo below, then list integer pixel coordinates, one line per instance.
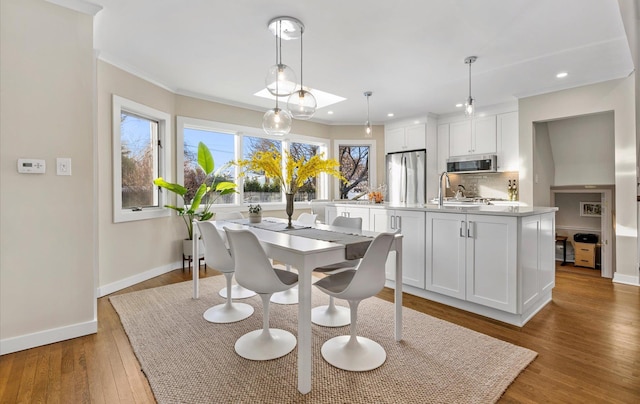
(593, 209)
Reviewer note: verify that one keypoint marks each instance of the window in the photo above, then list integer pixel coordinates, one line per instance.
(139, 155)
(257, 188)
(233, 142)
(305, 151)
(222, 146)
(357, 165)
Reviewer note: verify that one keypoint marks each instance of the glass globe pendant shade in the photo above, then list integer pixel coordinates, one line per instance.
(281, 80)
(302, 104)
(367, 129)
(276, 122)
(469, 107)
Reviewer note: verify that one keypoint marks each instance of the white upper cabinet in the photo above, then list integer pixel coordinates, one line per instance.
(483, 136)
(403, 138)
(507, 142)
(443, 147)
(460, 138)
(473, 136)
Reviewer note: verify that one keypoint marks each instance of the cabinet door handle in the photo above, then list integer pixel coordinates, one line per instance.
(399, 221)
(393, 222)
(461, 224)
(469, 227)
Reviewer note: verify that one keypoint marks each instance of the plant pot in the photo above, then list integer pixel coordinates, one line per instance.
(255, 217)
(187, 248)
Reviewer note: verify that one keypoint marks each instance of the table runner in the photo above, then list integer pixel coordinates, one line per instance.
(355, 244)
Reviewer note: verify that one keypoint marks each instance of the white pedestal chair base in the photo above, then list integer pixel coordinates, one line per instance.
(224, 313)
(357, 356)
(331, 316)
(261, 346)
(289, 296)
(237, 292)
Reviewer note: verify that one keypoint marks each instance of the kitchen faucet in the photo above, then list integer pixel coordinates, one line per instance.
(448, 185)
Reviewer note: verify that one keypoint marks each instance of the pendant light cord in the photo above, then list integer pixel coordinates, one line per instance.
(278, 59)
(470, 78)
(301, 34)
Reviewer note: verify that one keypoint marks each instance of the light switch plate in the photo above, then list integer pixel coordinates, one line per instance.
(63, 166)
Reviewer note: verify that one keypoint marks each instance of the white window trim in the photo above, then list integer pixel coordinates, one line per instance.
(241, 131)
(164, 135)
(372, 159)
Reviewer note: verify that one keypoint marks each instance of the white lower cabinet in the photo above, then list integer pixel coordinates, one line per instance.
(473, 257)
(412, 226)
(492, 249)
(446, 254)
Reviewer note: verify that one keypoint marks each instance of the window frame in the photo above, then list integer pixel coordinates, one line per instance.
(240, 132)
(121, 105)
(373, 167)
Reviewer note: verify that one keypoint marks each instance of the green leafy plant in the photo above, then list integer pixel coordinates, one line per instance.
(255, 208)
(207, 191)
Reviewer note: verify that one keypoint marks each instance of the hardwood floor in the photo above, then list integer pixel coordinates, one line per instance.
(587, 338)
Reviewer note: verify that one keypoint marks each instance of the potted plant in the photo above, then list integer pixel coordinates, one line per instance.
(255, 213)
(207, 192)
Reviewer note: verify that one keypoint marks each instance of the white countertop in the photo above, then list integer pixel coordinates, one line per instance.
(494, 210)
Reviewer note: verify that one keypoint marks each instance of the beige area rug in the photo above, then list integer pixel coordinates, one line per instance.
(188, 360)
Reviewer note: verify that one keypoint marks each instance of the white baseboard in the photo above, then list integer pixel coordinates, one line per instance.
(132, 280)
(626, 279)
(45, 337)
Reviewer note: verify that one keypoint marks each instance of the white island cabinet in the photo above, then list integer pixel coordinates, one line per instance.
(496, 261)
(473, 257)
(411, 224)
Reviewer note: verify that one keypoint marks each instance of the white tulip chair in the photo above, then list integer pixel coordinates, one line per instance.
(353, 352)
(332, 315)
(254, 271)
(217, 256)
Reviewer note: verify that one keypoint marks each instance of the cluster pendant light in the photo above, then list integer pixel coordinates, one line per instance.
(469, 107)
(281, 82)
(368, 132)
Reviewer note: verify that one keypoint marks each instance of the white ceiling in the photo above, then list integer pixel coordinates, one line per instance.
(410, 53)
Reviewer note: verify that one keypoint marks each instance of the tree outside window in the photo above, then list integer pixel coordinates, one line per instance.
(221, 146)
(354, 166)
(259, 188)
(139, 160)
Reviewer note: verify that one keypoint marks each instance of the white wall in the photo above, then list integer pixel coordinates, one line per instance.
(583, 150)
(47, 229)
(617, 96)
(131, 252)
(544, 165)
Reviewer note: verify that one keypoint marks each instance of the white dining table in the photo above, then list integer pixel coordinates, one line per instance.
(305, 254)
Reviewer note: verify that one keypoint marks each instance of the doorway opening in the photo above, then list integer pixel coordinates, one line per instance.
(587, 209)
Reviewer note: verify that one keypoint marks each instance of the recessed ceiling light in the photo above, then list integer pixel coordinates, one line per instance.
(330, 112)
(458, 105)
(390, 114)
(562, 75)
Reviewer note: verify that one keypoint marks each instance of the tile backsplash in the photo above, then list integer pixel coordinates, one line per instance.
(486, 185)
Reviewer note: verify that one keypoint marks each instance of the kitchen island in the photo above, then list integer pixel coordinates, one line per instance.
(496, 261)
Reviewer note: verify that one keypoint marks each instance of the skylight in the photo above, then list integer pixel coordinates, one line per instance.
(323, 99)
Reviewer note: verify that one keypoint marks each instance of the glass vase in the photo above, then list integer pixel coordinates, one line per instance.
(289, 209)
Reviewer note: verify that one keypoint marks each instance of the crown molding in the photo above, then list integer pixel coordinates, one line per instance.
(80, 6)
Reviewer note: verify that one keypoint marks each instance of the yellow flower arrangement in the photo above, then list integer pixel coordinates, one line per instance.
(296, 172)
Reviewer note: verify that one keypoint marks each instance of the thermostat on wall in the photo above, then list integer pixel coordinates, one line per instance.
(31, 166)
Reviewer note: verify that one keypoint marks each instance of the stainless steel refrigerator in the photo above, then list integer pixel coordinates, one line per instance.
(406, 177)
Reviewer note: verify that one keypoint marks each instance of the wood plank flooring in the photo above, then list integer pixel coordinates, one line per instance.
(587, 338)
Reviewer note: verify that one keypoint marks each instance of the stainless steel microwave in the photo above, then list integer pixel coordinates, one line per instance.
(472, 164)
